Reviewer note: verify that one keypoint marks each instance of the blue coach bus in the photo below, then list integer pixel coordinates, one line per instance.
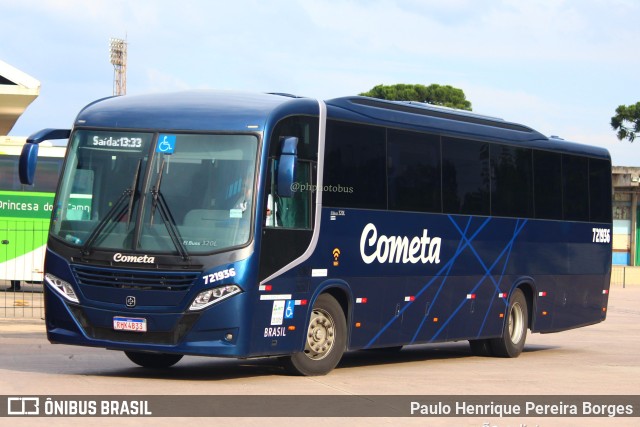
(251, 225)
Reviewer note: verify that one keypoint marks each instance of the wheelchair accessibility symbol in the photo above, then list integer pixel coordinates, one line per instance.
(166, 144)
(288, 311)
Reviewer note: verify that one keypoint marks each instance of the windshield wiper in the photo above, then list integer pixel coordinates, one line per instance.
(167, 217)
(131, 196)
(116, 212)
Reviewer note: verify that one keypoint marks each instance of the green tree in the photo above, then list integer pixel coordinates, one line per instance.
(627, 121)
(447, 96)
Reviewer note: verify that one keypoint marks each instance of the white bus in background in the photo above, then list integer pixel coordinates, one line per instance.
(25, 211)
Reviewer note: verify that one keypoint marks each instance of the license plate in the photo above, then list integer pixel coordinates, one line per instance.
(133, 324)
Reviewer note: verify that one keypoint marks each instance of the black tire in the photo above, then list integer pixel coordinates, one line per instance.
(480, 348)
(514, 333)
(153, 360)
(325, 340)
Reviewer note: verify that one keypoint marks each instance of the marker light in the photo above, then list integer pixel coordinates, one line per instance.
(61, 287)
(212, 296)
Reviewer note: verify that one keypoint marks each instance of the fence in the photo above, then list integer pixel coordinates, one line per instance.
(21, 264)
(25, 303)
(622, 275)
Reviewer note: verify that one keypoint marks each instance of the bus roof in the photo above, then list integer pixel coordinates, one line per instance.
(189, 110)
(240, 111)
(451, 122)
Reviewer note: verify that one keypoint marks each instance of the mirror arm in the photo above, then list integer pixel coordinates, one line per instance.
(29, 155)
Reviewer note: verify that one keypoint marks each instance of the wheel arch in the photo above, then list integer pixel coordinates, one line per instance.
(342, 297)
(341, 292)
(339, 289)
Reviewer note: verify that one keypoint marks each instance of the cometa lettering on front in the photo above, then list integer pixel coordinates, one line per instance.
(137, 259)
(398, 249)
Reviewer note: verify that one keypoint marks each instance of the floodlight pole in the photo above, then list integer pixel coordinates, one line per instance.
(118, 56)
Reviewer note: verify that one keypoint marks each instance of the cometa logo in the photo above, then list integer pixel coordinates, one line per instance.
(137, 259)
(398, 249)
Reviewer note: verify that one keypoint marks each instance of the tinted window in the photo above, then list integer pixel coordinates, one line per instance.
(575, 188)
(304, 128)
(295, 211)
(9, 173)
(547, 184)
(355, 166)
(599, 190)
(47, 174)
(414, 171)
(45, 180)
(511, 181)
(465, 176)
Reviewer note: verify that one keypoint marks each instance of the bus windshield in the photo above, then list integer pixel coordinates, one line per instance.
(166, 193)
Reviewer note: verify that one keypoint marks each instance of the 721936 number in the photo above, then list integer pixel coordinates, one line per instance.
(601, 235)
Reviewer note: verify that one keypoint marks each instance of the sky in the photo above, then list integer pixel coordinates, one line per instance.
(561, 67)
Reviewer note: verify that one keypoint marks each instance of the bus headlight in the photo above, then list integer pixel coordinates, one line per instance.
(212, 296)
(62, 287)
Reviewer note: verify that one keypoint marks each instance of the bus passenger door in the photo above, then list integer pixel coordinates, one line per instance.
(288, 221)
(286, 234)
(287, 224)
(287, 227)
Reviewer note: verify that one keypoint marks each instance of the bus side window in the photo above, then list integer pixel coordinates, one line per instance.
(294, 211)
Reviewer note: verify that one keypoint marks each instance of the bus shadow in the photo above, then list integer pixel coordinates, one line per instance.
(202, 369)
(414, 353)
(537, 347)
(217, 369)
(418, 353)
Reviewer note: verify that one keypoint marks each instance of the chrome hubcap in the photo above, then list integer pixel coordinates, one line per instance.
(320, 336)
(516, 320)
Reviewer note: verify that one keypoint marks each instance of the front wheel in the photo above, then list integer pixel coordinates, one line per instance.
(153, 360)
(325, 340)
(514, 333)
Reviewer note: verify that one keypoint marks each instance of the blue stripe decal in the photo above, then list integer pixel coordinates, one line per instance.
(505, 301)
(444, 279)
(446, 267)
(487, 274)
(443, 274)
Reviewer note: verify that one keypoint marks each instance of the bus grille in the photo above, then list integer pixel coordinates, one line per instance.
(135, 279)
(172, 337)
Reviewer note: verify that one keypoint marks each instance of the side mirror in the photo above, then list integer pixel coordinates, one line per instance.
(27, 163)
(287, 165)
(29, 156)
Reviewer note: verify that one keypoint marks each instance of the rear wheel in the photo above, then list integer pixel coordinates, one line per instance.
(514, 333)
(153, 360)
(325, 340)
